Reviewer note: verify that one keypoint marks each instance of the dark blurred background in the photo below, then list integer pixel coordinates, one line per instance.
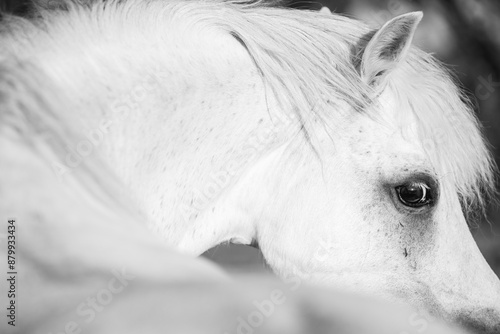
(465, 34)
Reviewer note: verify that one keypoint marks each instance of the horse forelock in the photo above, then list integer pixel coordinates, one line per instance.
(448, 129)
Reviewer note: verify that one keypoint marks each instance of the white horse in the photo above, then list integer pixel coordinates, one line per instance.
(350, 158)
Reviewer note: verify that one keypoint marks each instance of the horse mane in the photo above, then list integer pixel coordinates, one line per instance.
(308, 60)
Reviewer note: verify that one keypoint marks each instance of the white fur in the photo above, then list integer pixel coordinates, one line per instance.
(308, 147)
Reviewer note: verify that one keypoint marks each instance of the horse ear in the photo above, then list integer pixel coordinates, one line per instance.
(388, 47)
(325, 10)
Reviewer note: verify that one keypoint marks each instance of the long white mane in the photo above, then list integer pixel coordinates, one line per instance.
(308, 61)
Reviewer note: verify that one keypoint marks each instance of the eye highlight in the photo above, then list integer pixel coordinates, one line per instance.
(415, 194)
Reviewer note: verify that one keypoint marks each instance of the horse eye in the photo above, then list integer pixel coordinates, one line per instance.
(415, 194)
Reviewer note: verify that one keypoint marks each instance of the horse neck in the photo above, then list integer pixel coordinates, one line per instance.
(183, 120)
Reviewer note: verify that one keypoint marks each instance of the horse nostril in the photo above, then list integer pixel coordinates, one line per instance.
(483, 321)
